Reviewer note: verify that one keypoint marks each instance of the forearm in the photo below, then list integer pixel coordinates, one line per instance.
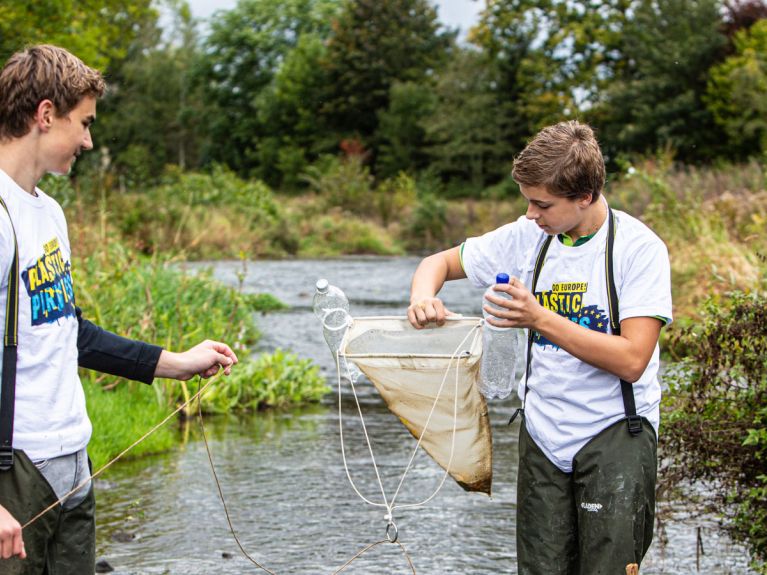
(104, 351)
(625, 356)
(432, 273)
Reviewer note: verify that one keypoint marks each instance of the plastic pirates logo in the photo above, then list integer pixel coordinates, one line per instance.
(566, 299)
(49, 285)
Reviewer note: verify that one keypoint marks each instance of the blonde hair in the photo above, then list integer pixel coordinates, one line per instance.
(565, 158)
(38, 73)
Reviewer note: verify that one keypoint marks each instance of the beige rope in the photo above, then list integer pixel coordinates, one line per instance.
(123, 452)
(197, 396)
(234, 533)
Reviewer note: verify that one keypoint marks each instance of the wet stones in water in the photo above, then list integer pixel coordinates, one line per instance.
(123, 536)
(103, 566)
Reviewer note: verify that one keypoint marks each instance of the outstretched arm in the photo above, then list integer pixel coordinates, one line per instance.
(204, 359)
(11, 543)
(430, 275)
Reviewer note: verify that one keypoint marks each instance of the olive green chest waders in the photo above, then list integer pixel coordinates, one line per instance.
(61, 542)
(598, 519)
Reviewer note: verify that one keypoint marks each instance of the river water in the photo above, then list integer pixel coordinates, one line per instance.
(283, 477)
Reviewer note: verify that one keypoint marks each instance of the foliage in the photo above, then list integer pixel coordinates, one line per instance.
(155, 87)
(711, 221)
(716, 421)
(289, 113)
(283, 379)
(244, 50)
(98, 33)
(120, 416)
(401, 135)
(344, 183)
(470, 135)
(178, 216)
(427, 228)
(374, 45)
(656, 95)
(736, 90)
(154, 301)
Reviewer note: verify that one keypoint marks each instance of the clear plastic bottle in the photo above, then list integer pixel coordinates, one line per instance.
(499, 350)
(331, 306)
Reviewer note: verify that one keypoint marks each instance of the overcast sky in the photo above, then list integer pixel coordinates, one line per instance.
(453, 13)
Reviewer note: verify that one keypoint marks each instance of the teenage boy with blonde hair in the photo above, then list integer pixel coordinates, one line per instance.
(47, 105)
(592, 287)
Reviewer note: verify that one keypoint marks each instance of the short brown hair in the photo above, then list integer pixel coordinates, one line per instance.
(43, 72)
(565, 158)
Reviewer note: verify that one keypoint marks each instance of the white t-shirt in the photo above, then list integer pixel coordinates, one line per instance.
(50, 417)
(570, 401)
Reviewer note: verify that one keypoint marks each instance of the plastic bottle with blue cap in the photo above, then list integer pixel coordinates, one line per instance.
(500, 346)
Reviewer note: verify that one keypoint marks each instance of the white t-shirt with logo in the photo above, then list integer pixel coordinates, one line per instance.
(50, 417)
(570, 401)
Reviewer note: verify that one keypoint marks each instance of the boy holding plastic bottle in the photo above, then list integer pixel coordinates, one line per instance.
(47, 105)
(592, 287)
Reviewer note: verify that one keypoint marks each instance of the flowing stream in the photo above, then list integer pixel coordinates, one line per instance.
(283, 477)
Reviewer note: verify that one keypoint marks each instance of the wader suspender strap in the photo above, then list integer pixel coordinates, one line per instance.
(627, 391)
(536, 273)
(8, 391)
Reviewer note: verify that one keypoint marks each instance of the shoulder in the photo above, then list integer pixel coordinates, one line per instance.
(520, 230)
(632, 235)
(50, 204)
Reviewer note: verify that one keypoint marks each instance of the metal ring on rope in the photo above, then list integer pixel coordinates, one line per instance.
(389, 536)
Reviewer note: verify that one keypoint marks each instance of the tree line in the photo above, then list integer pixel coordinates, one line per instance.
(272, 89)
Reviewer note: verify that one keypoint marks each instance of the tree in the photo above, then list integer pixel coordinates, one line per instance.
(401, 134)
(97, 32)
(736, 92)
(373, 46)
(243, 52)
(655, 96)
(288, 109)
(471, 136)
(552, 57)
(153, 114)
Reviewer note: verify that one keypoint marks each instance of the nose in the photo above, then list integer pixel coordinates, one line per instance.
(87, 140)
(532, 213)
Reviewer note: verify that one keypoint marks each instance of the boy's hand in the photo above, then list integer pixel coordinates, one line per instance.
(523, 310)
(11, 543)
(204, 359)
(427, 310)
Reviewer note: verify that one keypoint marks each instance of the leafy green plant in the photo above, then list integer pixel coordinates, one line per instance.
(715, 428)
(271, 380)
(153, 300)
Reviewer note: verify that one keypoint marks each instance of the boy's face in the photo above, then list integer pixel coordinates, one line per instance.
(554, 214)
(69, 136)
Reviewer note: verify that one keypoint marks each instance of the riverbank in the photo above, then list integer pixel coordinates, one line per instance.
(712, 220)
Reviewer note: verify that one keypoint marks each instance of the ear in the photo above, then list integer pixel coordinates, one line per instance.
(46, 111)
(583, 201)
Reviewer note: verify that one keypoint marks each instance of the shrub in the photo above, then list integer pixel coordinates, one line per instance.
(715, 427)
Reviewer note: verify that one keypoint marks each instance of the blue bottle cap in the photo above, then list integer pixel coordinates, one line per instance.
(502, 279)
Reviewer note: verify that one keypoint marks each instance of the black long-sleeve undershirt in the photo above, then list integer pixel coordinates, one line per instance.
(110, 353)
